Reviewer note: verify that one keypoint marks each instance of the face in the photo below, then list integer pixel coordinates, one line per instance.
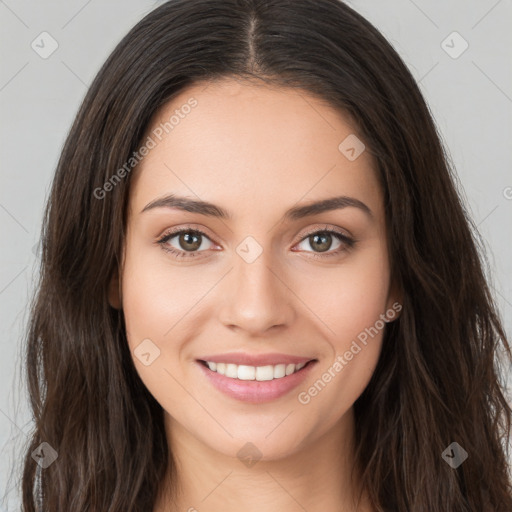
(268, 278)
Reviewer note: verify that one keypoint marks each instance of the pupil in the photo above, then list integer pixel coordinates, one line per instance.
(324, 244)
(186, 239)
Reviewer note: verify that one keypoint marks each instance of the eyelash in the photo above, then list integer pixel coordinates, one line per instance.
(344, 239)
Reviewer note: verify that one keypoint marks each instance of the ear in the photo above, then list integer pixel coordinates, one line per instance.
(114, 291)
(394, 302)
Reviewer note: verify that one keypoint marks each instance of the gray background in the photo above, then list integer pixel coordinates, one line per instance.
(470, 97)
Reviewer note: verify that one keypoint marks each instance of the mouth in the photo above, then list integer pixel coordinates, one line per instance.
(255, 384)
(255, 373)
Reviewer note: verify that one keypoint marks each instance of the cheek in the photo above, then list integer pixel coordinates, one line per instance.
(156, 294)
(350, 296)
(349, 304)
(155, 310)
(160, 303)
(148, 310)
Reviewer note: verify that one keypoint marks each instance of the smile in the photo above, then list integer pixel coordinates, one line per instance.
(259, 373)
(255, 384)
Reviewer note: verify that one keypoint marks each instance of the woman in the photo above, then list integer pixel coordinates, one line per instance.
(259, 286)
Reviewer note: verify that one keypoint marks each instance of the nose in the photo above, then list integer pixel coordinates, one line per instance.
(256, 297)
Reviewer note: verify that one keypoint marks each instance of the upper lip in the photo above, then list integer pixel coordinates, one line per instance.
(256, 359)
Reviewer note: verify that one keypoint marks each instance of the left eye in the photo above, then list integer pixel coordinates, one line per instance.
(322, 240)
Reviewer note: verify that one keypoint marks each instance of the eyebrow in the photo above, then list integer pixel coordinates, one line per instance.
(294, 213)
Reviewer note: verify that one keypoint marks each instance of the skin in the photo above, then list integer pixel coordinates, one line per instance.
(255, 151)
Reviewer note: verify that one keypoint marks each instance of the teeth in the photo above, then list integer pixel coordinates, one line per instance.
(260, 373)
(246, 372)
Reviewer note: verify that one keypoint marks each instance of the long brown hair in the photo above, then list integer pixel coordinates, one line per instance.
(438, 378)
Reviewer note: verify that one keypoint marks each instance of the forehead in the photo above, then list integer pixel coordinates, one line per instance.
(246, 145)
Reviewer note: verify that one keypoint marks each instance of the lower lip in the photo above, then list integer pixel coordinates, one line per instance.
(254, 391)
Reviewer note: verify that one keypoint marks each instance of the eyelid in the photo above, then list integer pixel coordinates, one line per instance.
(187, 227)
(329, 229)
